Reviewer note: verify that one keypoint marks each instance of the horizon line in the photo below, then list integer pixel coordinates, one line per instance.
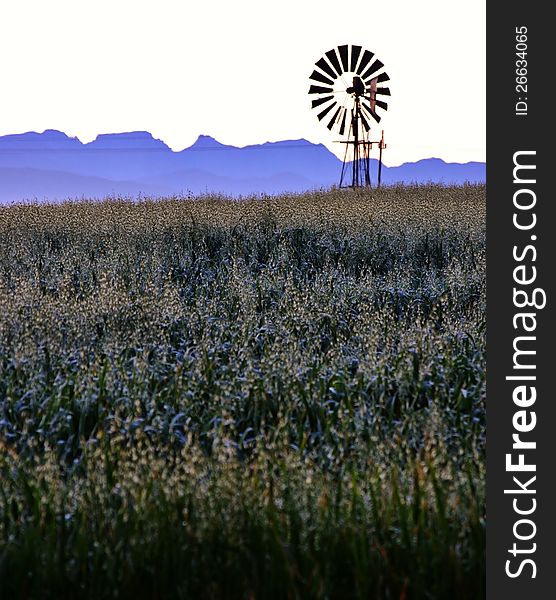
(268, 145)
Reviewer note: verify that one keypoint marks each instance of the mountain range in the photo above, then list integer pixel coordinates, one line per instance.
(53, 166)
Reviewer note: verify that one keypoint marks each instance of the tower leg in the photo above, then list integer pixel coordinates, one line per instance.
(355, 181)
(380, 147)
(368, 163)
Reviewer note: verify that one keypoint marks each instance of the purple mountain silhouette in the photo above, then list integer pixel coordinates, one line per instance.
(53, 166)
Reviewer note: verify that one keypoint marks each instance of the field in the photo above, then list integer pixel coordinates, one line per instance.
(266, 398)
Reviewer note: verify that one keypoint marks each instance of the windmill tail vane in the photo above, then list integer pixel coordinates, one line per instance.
(347, 89)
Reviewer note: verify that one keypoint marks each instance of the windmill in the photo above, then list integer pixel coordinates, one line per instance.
(346, 86)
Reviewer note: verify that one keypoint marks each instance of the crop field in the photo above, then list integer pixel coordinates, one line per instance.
(256, 399)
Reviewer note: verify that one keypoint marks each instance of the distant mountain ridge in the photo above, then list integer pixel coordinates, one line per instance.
(54, 166)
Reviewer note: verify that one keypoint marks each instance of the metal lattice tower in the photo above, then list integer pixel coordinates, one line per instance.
(345, 86)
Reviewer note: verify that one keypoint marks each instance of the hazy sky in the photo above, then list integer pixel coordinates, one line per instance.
(238, 70)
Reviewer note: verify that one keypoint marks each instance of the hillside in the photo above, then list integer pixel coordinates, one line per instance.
(54, 166)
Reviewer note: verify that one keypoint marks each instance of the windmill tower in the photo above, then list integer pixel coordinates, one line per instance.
(346, 86)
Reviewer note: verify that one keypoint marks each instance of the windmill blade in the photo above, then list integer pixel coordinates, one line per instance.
(379, 78)
(383, 91)
(320, 101)
(372, 69)
(343, 122)
(316, 76)
(333, 58)
(324, 66)
(370, 111)
(344, 51)
(364, 122)
(323, 113)
(381, 104)
(334, 117)
(365, 60)
(355, 52)
(317, 89)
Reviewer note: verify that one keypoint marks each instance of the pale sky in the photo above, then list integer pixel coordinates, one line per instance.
(239, 70)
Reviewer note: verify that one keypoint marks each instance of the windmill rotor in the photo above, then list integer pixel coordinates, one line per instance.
(345, 75)
(347, 90)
